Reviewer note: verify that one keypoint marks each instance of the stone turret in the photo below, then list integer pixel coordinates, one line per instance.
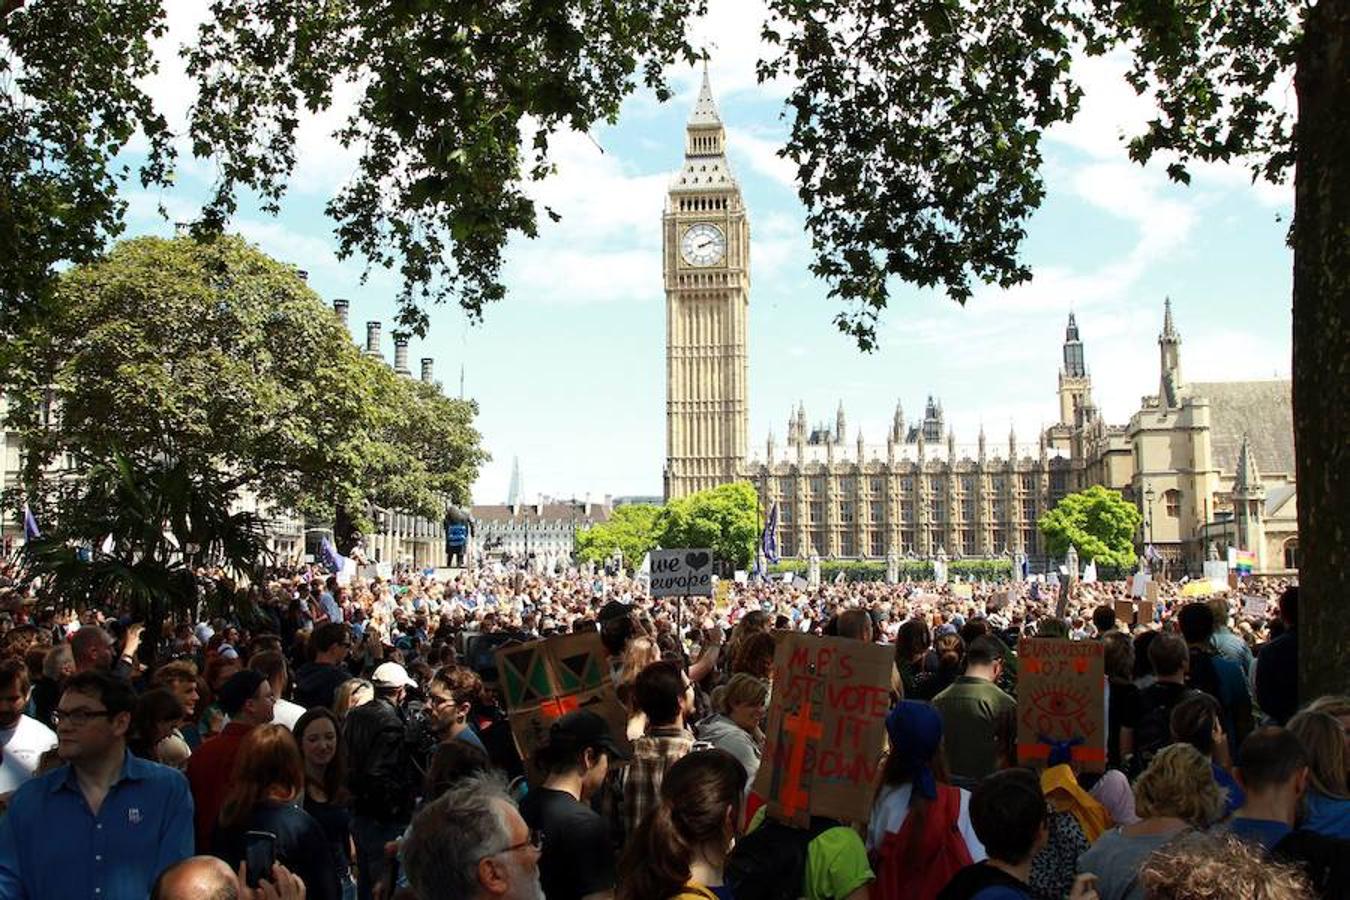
(861, 450)
(839, 430)
(1249, 504)
(342, 307)
(1169, 358)
(898, 423)
(427, 363)
(401, 354)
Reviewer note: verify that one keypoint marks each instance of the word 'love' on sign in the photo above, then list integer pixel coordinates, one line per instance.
(1061, 699)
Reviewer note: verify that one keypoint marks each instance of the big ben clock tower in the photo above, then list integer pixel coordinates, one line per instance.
(706, 253)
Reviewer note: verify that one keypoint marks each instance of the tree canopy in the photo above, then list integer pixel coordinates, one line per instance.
(457, 103)
(724, 518)
(1098, 522)
(212, 358)
(630, 529)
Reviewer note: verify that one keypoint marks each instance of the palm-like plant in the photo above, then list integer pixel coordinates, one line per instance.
(132, 535)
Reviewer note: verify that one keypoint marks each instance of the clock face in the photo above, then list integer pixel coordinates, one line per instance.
(703, 244)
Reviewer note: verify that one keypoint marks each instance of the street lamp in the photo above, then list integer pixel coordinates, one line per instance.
(1149, 494)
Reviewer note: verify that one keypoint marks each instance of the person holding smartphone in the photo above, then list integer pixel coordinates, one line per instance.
(260, 823)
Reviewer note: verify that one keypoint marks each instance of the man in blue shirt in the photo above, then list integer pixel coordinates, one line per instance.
(105, 824)
(1273, 770)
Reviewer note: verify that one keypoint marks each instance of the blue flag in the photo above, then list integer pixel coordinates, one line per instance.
(768, 541)
(31, 532)
(331, 558)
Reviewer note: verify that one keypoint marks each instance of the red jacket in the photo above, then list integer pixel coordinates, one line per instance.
(208, 772)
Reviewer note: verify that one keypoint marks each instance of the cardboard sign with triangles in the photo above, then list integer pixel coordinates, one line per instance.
(546, 679)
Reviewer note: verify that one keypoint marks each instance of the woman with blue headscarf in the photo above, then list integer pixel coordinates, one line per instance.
(914, 783)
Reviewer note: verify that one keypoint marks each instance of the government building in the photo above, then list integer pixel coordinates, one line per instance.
(1209, 465)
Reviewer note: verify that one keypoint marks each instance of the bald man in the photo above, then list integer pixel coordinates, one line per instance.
(204, 877)
(209, 878)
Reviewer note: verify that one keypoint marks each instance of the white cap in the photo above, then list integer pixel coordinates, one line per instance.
(392, 675)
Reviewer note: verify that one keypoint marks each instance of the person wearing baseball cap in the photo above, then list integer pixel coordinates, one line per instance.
(381, 775)
(578, 856)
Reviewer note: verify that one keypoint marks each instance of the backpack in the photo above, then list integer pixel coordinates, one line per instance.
(1153, 731)
(942, 852)
(769, 863)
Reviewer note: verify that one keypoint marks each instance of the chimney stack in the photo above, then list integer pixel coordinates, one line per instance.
(401, 353)
(373, 338)
(304, 275)
(341, 307)
(426, 369)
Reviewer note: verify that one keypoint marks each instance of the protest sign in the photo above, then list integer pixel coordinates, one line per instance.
(543, 680)
(1139, 583)
(1001, 600)
(721, 593)
(1255, 607)
(681, 573)
(740, 576)
(1125, 612)
(1061, 697)
(826, 728)
(1232, 581)
(1151, 592)
(1200, 588)
(964, 591)
(1145, 612)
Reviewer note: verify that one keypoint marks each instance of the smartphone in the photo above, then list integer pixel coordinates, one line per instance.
(260, 854)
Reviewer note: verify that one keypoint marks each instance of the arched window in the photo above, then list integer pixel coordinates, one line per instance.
(1291, 553)
(1172, 499)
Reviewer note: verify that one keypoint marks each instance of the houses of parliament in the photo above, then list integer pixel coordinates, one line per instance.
(1210, 465)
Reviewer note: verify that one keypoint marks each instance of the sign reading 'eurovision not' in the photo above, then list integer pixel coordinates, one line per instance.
(681, 573)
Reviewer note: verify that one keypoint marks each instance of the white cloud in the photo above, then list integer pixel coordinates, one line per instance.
(762, 154)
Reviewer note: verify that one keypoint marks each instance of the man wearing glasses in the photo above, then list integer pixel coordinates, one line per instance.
(105, 823)
(472, 844)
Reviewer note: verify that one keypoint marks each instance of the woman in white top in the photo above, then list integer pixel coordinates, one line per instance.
(915, 763)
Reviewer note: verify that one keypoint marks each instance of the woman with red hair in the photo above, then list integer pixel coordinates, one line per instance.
(268, 781)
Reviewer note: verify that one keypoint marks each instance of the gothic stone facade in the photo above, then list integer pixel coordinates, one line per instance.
(1190, 458)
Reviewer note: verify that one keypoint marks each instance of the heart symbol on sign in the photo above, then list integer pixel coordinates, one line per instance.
(696, 560)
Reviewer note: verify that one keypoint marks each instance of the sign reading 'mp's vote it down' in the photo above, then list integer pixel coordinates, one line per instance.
(681, 573)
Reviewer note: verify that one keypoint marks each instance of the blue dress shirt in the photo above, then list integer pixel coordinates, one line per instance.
(52, 845)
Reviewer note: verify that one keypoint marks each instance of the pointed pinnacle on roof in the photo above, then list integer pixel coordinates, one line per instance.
(705, 108)
(1247, 477)
(1169, 327)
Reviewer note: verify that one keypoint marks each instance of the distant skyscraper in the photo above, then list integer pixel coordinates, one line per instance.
(513, 492)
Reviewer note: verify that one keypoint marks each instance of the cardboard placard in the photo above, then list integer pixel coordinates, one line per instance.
(1061, 696)
(964, 591)
(1151, 592)
(543, 680)
(1125, 612)
(1001, 600)
(1146, 612)
(1255, 607)
(681, 573)
(826, 728)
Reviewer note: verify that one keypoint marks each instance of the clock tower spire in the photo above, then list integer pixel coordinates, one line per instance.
(706, 263)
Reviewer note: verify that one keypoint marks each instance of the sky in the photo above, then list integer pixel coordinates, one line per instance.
(568, 371)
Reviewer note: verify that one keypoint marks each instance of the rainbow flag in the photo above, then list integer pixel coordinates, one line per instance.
(1246, 560)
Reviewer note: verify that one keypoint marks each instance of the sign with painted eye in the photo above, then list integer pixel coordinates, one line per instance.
(703, 244)
(1061, 703)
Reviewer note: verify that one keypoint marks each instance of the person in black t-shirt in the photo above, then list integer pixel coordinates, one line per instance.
(578, 857)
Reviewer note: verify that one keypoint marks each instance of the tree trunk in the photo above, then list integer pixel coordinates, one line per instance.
(1321, 239)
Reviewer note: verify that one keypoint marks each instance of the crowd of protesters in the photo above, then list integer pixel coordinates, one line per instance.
(356, 728)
